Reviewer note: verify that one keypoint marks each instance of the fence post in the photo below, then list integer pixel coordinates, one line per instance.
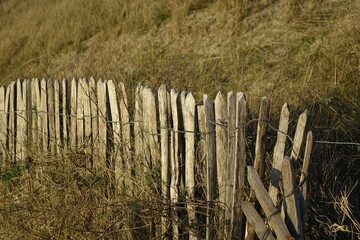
(211, 166)
(299, 135)
(304, 176)
(175, 161)
(165, 161)
(102, 143)
(65, 113)
(236, 230)
(50, 98)
(221, 149)
(12, 120)
(57, 103)
(3, 123)
(190, 137)
(73, 111)
(260, 151)
(291, 200)
(116, 132)
(279, 151)
(95, 116)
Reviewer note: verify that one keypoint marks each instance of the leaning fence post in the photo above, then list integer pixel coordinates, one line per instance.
(279, 151)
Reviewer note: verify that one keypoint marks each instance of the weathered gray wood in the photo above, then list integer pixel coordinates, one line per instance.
(175, 160)
(44, 115)
(165, 157)
(57, 115)
(256, 221)
(138, 121)
(87, 111)
(7, 110)
(201, 148)
(259, 162)
(73, 111)
(182, 139)
(80, 113)
(279, 152)
(3, 122)
(304, 177)
(236, 230)
(211, 165)
(190, 137)
(51, 117)
(102, 143)
(231, 113)
(221, 145)
(21, 119)
(291, 201)
(12, 119)
(116, 132)
(299, 135)
(94, 114)
(37, 127)
(65, 113)
(125, 133)
(275, 220)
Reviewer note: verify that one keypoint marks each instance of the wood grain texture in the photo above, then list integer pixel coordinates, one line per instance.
(51, 115)
(236, 230)
(190, 138)
(57, 106)
(44, 115)
(101, 97)
(211, 165)
(73, 110)
(291, 201)
(299, 135)
(279, 151)
(165, 157)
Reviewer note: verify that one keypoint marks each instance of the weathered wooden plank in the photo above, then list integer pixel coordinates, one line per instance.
(65, 113)
(125, 133)
(37, 127)
(21, 119)
(304, 176)
(236, 230)
(51, 117)
(231, 113)
(44, 115)
(259, 162)
(299, 135)
(256, 221)
(3, 122)
(7, 110)
(279, 151)
(291, 201)
(190, 137)
(29, 115)
(175, 161)
(80, 113)
(211, 165)
(57, 116)
(12, 120)
(183, 95)
(275, 220)
(201, 148)
(73, 111)
(138, 121)
(87, 111)
(116, 132)
(221, 145)
(165, 158)
(102, 110)
(94, 114)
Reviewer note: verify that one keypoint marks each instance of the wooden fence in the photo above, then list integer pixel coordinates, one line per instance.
(200, 149)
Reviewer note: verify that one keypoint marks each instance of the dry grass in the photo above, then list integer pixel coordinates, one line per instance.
(306, 53)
